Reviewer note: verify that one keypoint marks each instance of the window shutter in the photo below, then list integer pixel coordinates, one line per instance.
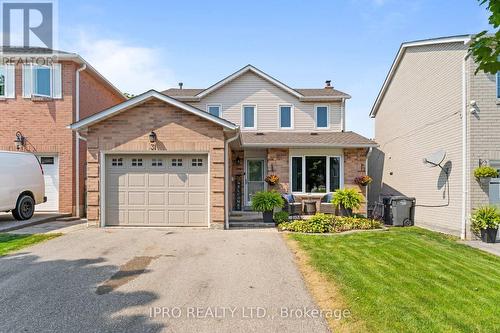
(10, 81)
(56, 81)
(27, 80)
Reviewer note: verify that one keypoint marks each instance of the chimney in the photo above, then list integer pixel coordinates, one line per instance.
(180, 85)
(328, 84)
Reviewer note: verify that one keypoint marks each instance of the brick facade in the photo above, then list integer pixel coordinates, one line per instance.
(43, 122)
(176, 130)
(278, 164)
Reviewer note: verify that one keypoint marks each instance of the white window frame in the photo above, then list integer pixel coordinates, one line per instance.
(254, 116)
(3, 69)
(291, 116)
(497, 86)
(327, 116)
(33, 80)
(341, 180)
(215, 105)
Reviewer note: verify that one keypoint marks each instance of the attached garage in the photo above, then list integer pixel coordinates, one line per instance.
(156, 190)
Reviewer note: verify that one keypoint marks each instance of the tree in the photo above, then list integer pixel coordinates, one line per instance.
(485, 47)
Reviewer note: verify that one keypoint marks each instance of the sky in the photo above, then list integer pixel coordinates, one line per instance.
(142, 45)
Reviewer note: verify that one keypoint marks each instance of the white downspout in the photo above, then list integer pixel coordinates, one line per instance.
(465, 115)
(366, 169)
(342, 112)
(227, 179)
(77, 139)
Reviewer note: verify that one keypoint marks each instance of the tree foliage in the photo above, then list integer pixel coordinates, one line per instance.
(485, 46)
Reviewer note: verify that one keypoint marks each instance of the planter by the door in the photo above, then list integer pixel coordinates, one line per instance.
(267, 216)
(484, 181)
(489, 235)
(345, 211)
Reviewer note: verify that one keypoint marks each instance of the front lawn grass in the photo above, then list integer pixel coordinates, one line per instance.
(409, 280)
(13, 242)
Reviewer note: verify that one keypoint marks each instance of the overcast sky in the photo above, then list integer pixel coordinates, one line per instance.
(141, 45)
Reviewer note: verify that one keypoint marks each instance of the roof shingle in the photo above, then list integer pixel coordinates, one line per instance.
(305, 139)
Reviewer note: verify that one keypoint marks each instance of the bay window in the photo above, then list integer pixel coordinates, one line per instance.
(315, 174)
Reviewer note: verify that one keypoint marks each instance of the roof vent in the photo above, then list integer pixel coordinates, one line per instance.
(259, 133)
(314, 133)
(328, 84)
(180, 85)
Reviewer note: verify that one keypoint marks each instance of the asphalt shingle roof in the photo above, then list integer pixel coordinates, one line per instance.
(30, 50)
(322, 92)
(334, 139)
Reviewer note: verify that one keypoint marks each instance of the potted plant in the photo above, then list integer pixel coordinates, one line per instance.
(272, 179)
(485, 221)
(265, 202)
(363, 180)
(484, 174)
(347, 200)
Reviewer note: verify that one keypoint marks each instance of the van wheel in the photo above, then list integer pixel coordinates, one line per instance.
(25, 208)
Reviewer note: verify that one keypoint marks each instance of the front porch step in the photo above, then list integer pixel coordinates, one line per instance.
(244, 225)
(245, 217)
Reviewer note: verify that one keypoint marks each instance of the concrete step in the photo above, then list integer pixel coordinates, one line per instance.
(244, 225)
(245, 217)
(68, 218)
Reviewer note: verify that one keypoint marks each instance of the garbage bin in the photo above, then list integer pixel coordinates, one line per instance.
(387, 210)
(402, 211)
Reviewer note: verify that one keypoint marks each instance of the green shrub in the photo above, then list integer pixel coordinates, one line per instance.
(485, 217)
(349, 198)
(280, 217)
(485, 172)
(321, 223)
(266, 201)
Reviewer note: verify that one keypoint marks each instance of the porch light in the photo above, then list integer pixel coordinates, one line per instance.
(238, 160)
(20, 140)
(152, 137)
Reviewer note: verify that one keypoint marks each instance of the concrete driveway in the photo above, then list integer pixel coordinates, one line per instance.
(153, 280)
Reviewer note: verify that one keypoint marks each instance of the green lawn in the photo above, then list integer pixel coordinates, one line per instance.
(13, 242)
(410, 280)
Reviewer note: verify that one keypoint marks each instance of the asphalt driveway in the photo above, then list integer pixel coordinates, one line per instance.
(144, 280)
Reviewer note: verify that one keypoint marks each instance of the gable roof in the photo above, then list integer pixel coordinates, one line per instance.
(302, 94)
(137, 100)
(399, 56)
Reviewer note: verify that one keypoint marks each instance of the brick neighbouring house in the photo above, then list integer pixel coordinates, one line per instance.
(191, 157)
(41, 113)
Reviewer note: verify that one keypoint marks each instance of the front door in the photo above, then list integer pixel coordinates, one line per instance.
(254, 178)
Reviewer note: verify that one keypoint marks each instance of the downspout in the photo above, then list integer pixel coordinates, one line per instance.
(342, 112)
(227, 178)
(366, 169)
(465, 186)
(77, 139)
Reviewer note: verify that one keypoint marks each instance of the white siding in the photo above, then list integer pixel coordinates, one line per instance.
(252, 89)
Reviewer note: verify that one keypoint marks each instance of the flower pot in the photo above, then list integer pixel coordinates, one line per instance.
(267, 216)
(484, 181)
(345, 211)
(489, 235)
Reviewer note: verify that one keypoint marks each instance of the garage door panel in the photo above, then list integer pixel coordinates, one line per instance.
(157, 192)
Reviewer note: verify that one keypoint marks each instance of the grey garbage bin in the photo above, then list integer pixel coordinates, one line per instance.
(402, 211)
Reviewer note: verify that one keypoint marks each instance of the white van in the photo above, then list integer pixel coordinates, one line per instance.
(21, 184)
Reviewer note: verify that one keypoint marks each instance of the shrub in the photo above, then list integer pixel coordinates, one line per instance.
(321, 223)
(485, 172)
(280, 217)
(266, 201)
(485, 217)
(348, 198)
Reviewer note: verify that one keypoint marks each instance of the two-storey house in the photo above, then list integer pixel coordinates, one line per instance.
(41, 92)
(188, 157)
(432, 103)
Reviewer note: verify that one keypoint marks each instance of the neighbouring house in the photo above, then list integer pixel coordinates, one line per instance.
(41, 92)
(433, 101)
(191, 157)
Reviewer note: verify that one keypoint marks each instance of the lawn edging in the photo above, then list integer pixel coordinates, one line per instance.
(347, 232)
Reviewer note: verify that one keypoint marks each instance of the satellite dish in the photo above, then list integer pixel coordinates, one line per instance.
(435, 159)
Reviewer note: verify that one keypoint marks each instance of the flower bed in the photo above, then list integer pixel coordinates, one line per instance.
(324, 223)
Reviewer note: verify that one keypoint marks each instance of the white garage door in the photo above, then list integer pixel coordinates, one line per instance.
(156, 190)
(50, 165)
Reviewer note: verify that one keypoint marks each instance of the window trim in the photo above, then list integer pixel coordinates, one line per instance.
(327, 116)
(290, 175)
(34, 79)
(243, 127)
(291, 116)
(217, 105)
(497, 92)
(4, 69)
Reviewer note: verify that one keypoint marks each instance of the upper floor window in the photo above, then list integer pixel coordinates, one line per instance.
(286, 116)
(249, 117)
(214, 110)
(43, 81)
(498, 84)
(7, 84)
(322, 116)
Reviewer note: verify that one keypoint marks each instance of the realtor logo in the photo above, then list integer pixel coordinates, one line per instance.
(28, 23)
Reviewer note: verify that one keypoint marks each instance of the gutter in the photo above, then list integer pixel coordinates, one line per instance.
(305, 145)
(77, 139)
(465, 173)
(226, 178)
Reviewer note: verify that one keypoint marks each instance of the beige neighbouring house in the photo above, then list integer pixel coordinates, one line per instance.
(432, 100)
(195, 157)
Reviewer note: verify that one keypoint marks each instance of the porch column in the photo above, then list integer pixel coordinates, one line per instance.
(277, 164)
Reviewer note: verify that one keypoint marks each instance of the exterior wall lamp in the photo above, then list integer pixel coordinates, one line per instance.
(238, 160)
(20, 140)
